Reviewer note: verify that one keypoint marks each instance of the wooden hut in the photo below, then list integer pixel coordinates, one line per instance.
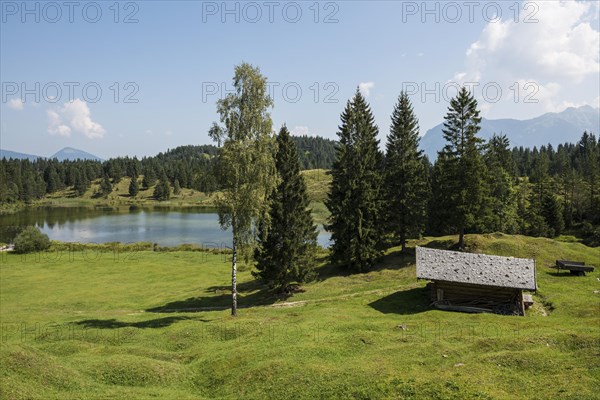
(476, 282)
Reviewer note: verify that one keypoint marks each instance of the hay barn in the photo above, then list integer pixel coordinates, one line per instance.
(476, 282)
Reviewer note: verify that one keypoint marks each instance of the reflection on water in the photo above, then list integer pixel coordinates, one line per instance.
(165, 226)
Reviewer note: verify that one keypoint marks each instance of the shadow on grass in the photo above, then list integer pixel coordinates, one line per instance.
(412, 301)
(250, 294)
(241, 287)
(114, 324)
(397, 260)
(567, 274)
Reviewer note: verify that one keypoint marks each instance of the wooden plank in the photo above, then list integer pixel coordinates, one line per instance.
(580, 268)
(566, 263)
(573, 268)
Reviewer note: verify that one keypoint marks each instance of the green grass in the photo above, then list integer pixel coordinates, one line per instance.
(141, 325)
(317, 187)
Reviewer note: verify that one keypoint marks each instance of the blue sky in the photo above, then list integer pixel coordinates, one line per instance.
(179, 56)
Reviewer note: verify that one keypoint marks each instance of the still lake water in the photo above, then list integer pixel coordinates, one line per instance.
(167, 227)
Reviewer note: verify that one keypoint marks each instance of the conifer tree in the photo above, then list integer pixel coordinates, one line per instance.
(500, 211)
(81, 183)
(552, 212)
(105, 186)
(405, 175)
(149, 176)
(134, 186)
(355, 197)
(176, 187)
(162, 191)
(462, 163)
(285, 252)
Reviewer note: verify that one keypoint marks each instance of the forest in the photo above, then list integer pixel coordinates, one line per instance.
(543, 191)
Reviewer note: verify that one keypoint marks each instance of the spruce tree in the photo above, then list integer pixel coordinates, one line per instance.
(162, 190)
(439, 206)
(81, 182)
(355, 197)
(285, 252)
(500, 212)
(134, 186)
(176, 187)
(462, 163)
(552, 212)
(105, 186)
(405, 175)
(149, 176)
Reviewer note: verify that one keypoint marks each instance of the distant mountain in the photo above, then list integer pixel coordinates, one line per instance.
(17, 156)
(68, 153)
(554, 128)
(71, 154)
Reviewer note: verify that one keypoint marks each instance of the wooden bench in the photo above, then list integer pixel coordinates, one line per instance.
(575, 267)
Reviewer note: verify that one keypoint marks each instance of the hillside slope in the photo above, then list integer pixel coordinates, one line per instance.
(156, 325)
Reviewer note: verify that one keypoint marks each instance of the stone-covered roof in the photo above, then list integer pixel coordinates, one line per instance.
(479, 269)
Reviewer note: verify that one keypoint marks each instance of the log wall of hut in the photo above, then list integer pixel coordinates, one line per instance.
(476, 298)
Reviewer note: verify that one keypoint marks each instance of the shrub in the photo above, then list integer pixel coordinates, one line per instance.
(30, 240)
(591, 235)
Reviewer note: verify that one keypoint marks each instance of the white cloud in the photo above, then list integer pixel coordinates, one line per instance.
(169, 133)
(559, 53)
(55, 125)
(420, 54)
(300, 131)
(74, 117)
(365, 88)
(15, 104)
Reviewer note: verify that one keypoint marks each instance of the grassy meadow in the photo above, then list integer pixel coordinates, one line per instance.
(144, 324)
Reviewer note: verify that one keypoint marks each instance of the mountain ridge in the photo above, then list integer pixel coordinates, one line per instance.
(66, 153)
(554, 128)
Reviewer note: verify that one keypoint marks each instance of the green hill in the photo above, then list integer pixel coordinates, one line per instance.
(116, 324)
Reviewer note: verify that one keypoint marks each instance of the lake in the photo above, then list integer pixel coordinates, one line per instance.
(165, 226)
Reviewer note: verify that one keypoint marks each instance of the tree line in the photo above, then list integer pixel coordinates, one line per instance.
(378, 199)
(190, 167)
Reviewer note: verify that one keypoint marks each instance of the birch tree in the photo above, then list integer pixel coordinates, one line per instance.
(246, 162)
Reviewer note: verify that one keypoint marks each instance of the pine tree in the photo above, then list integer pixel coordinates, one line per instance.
(105, 186)
(285, 252)
(406, 189)
(51, 178)
(500, 211)
(149, 176)
(176, 187)
(134, 186)
(162, 191)
(355, 197)
(439, 206)
(462, 163)
(553, 213)
(80, 182)
(536, 223)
